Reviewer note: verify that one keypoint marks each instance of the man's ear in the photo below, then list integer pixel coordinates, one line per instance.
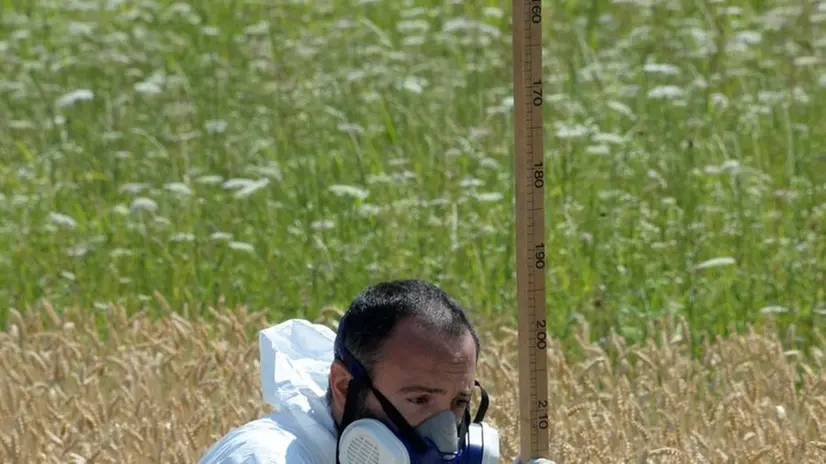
(339, 383)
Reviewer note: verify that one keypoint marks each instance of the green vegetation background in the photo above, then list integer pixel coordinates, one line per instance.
(285, 154)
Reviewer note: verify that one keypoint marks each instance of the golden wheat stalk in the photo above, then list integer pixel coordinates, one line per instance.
(175, 384)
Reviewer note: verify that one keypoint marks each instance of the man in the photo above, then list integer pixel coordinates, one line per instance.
(405, 355)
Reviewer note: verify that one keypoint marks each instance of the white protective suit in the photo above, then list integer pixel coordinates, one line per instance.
(295, 358)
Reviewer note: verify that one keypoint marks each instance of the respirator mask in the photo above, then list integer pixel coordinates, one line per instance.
(439, 439)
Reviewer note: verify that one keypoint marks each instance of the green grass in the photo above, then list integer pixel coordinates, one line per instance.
(286, 154)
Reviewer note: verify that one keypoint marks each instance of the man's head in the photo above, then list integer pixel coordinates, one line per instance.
(419, 349)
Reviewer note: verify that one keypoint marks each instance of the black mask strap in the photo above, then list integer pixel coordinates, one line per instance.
(410, 433)
(483, 404)
(464, 426)
(353, 388)
(404, 427)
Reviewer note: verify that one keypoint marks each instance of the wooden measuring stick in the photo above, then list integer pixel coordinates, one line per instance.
(530, 228)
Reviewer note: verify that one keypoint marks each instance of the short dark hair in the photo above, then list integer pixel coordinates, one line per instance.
(375, 311)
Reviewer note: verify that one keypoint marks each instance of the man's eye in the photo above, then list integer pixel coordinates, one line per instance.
(462, 403)
(418, 400)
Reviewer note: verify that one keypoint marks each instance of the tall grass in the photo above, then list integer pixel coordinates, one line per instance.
(285, 154)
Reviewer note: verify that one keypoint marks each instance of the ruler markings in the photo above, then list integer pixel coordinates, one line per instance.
(530, 228)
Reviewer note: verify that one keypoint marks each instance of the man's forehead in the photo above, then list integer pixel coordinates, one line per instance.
(413, 358)
(418, 343)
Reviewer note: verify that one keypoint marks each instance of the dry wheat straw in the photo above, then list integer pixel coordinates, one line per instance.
(162, 390)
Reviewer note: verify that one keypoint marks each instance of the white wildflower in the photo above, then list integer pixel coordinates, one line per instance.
(75, 96)
(63, 220)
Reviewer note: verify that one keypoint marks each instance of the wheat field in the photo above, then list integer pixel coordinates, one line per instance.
(163, 389)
